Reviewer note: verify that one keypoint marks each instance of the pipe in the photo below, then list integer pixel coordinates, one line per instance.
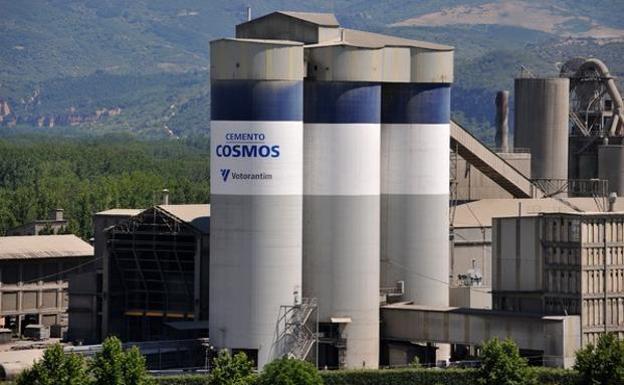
(617, 125)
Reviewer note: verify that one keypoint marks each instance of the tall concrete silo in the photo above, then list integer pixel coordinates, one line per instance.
(415, 137)
(541, 124)
(256, 176)
(342, 106)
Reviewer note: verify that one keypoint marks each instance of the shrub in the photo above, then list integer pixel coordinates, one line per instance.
(232, 370)
(603, 363)
(113, 366)
(184, 380)
(289, 371)
(545, 376)
(400, 377)
(501, 364)
(56, 368)
(555, 376)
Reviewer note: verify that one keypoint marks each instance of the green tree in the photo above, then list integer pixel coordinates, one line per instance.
(232, 370)
(289, 371)
(603, 363)
(114, 366)
(501, 364)
(134, 369)
(56, 368)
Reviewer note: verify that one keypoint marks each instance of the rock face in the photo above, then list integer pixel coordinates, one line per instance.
(70, 118)
(5, 110)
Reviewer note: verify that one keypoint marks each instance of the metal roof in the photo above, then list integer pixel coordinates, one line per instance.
(259, 41)
(197, 216)
(321, 19)
(377, 40)
(43, 246)
(480, 213)
(364, 39)
(120, 212)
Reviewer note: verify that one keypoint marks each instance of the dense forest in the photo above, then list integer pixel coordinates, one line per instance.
(87, 175)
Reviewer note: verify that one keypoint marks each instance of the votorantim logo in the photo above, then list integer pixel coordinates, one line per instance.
(225, 173)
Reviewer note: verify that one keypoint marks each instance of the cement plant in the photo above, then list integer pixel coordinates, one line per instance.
(352, 223)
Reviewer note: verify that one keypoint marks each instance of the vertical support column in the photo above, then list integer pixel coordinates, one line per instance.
(415, 190)
(342, 107)
(256, 191)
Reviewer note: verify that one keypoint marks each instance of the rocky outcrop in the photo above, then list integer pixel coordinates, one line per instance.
(5, 110)
(70, 118)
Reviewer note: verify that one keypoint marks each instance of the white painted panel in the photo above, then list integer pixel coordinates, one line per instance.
(256, 158)
(415, 159)
(342, 159)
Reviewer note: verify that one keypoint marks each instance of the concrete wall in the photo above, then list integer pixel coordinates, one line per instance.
(31, 287)
(516, 260)
(471, 244)
(470, 297)
(472, 184)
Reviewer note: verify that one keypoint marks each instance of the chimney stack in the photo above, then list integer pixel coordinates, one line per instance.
(165, 195)
(56, 215)
(502, 121)
(612, 200)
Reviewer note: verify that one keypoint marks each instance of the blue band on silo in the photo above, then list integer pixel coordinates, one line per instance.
(341, 102)
(425, 103)
(259, 100)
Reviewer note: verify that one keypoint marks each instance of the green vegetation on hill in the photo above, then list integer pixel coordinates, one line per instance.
(115, 66)
(83, 176)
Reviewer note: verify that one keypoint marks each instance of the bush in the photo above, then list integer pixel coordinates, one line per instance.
(56, 368)
(555, 376)
(228, 370)
(545, 376)
(501, 364)
(400, 377)
(113, 366)
(184, 380)
(289, 371)
(602, 364)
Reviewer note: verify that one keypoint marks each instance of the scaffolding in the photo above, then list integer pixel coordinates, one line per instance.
(297, 330)
(153, 259)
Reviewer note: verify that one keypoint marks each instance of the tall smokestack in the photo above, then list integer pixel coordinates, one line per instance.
(502, 121)
(248, 13)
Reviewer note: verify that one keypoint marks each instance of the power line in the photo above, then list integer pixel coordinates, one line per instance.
(62, 271)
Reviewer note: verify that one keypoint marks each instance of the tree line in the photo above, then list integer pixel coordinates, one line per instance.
(87, 175)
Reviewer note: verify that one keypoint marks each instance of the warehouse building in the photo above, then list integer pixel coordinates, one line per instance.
(34, 273)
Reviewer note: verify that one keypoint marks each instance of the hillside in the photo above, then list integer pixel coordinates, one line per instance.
(142, 66)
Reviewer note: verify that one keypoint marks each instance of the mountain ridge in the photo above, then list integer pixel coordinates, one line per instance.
(59, 57)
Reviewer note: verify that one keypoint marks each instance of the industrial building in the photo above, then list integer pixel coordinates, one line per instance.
(347, 132)
(354, 224)
(55, 224)
(562, 263)
(34, 273)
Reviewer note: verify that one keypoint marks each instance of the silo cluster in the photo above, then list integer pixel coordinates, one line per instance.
(329, 174)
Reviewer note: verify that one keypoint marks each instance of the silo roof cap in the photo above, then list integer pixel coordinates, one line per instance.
(364, 39)
(320, 19)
